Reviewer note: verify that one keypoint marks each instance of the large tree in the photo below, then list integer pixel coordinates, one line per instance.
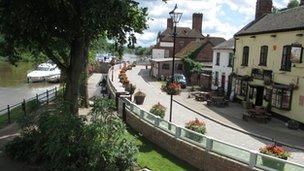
(293, 4)
(64, 29)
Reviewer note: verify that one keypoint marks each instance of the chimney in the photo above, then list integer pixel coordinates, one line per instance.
(169, 23)
(302, 3)
(263, 7)
(197, 20)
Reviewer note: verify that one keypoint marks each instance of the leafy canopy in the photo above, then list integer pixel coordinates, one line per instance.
(52, 25)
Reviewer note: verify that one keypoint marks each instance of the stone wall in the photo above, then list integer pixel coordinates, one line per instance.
(189, 153)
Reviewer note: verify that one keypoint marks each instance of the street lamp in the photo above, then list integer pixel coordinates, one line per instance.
(175, 16)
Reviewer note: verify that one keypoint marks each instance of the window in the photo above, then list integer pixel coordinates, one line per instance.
(216, 78)
(263, 56)
(218, 56)
(230, 60)
(241, 87)
(281, 98)
(180, 67)
(286, 63)
(165, 66)
(245, 56)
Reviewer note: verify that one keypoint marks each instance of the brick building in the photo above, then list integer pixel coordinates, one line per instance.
(188, 40)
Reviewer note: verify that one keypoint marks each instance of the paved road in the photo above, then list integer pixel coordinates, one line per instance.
(140, 77)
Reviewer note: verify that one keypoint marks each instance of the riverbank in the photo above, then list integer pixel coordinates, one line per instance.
(13, 85)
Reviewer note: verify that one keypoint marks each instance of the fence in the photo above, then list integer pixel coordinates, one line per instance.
(253, 159)
(13, 112)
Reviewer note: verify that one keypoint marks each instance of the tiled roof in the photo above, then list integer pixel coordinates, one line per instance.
(181, 32)
(191, 47)
(292, 19)
(229, 44)
(194, 45)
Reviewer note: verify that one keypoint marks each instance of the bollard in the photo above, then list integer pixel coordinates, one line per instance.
(124, 116)
(47, 96)
(8, 114)
(23, 107)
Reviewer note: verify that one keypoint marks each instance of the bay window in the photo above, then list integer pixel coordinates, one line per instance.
(281, 97)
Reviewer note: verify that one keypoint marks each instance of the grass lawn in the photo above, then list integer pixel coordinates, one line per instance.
(152, 157)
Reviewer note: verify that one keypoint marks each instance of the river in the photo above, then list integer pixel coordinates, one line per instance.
(13, 85)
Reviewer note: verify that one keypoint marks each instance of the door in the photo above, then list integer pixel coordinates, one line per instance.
(259, 96)
(223, 82)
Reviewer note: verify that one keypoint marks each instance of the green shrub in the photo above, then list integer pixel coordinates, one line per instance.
(158, 110)
(57, 140)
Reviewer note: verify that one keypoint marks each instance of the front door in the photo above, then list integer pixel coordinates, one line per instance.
(223, 82)
(259, 96)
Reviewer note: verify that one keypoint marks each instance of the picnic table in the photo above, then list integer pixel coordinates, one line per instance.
(202, 96)
(219, 101)
(257, 113)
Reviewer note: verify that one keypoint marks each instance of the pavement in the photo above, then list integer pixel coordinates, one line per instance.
(224, 124)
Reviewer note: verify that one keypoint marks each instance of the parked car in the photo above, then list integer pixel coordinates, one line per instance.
(179, 78)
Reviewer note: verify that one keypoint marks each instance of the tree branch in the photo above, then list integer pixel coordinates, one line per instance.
(50, 55)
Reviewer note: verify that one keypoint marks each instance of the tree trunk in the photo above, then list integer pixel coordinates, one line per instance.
(73, 74)
(83, 89)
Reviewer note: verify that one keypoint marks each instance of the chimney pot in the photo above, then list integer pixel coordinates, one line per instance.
(263, 7)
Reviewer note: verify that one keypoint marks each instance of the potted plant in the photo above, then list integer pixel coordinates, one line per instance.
(158, 110)
(275, 151)
(197, 126)
(130, 88)
(139, 97)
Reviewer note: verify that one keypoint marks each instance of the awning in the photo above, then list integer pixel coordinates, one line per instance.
(282, 86)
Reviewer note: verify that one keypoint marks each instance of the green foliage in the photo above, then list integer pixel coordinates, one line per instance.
(158, 110)
(142, 51)
(17, 113)
(60, 141)
(64, 31)
(293, 4)
(192, 66)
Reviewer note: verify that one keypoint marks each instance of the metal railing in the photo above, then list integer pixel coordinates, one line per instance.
(253, 159)
(43, 98)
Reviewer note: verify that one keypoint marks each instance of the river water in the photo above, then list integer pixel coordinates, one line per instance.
(13, 85)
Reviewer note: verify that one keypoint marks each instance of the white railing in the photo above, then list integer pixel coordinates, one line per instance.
(251, 158)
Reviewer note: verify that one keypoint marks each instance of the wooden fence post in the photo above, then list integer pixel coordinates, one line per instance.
(124, 115)
(47, 96)
(9, 114)
(23, 107)
(55, 92)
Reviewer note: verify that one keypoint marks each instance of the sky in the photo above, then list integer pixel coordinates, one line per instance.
(221, 18)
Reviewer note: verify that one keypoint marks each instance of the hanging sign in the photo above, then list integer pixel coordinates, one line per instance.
(296, 53)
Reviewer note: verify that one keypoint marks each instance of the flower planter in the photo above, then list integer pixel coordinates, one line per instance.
(194, 137)
(277, 165)
(139, 100)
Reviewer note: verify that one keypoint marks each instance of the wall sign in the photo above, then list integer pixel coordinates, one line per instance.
(296, 53)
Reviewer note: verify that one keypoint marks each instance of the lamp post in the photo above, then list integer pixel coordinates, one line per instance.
(175, 16)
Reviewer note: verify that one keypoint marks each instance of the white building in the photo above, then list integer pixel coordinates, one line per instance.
(222, 65)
